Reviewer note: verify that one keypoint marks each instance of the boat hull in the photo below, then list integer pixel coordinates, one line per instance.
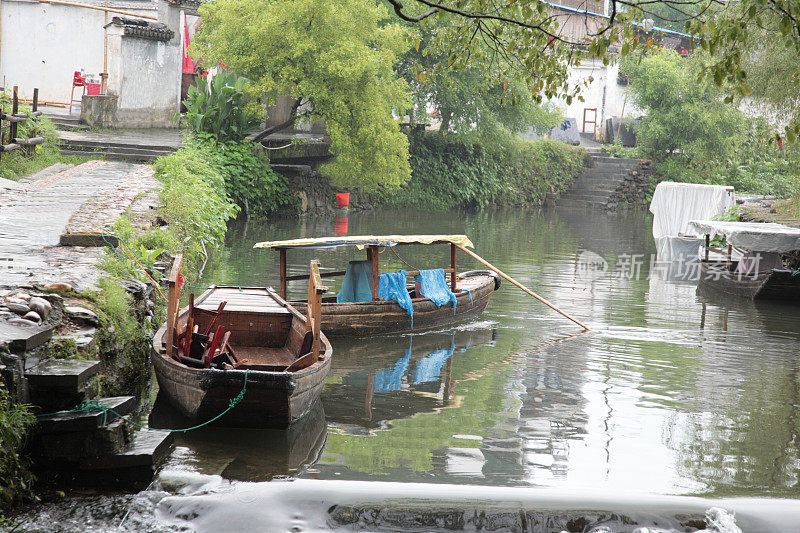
(271, 399)
(775, 285)
(372, 318)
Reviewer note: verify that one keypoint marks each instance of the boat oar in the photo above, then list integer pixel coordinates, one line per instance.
(518, 284)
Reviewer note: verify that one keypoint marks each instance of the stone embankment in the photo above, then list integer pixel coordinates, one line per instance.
(51, 242)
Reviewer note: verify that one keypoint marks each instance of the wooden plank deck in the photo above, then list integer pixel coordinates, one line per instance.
(252, 300)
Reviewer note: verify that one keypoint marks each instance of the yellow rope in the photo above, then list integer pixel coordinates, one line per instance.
(130, 254)
(412, 267)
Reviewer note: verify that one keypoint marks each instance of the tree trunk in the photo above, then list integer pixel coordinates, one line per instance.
(282, 126)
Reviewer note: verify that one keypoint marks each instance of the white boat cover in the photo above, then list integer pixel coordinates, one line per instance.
(674, 205)
(367, 240)
(754, 236)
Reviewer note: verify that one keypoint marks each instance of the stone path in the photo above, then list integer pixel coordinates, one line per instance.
(34, 217)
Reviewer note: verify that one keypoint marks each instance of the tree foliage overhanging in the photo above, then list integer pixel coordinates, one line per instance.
(529, 41)
(334, 56)
(469, 101)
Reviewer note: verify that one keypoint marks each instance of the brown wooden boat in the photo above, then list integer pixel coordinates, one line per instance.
(776, 284)
(282, 354)
(755, 281)
(472, 289)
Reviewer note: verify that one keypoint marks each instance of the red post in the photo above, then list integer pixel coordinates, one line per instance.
(453, 266)
(282, 252)
(372, 253)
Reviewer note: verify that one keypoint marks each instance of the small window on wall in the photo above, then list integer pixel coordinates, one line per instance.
(622, 79)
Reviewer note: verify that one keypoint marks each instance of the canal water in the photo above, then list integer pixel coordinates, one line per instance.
(671, 394)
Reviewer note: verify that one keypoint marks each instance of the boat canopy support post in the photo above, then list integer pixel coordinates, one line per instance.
(314, 317)
(173, 298)
(453, 250)
(520, 285)
(372, 254)
(708, 246)
(282, 252)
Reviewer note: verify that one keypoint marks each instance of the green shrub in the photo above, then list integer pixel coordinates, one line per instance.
(196, 206)
(450, 171)
(693, 136)
(250, 181)
(16, 422)
(219, 107)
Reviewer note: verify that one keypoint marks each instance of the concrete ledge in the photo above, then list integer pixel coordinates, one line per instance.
(88, 240)
(103, 111)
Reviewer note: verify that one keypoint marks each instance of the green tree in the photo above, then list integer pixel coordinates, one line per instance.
(470, 101)
(336, 58)
(684, 119)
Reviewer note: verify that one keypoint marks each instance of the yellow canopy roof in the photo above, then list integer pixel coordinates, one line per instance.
(367, 240)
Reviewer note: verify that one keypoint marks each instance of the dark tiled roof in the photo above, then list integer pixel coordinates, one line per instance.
(144, 29)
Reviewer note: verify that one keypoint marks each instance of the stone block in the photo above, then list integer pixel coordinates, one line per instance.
(66, 421)
(99, 110)
(89, 240)
(23, 337)
(70, 375)
(79, 445)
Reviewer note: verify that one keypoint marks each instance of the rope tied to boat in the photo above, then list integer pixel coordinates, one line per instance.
(88, 406)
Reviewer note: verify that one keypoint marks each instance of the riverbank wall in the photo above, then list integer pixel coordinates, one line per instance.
(74, 340)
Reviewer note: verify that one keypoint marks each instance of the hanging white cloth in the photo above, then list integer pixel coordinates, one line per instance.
(674, 205)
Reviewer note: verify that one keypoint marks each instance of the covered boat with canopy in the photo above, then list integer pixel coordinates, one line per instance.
(754, 267)
(371, 302)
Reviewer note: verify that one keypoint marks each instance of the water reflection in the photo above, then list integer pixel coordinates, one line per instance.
(243, 454)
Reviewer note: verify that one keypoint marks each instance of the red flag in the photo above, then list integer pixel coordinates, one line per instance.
(188, 62)
(180, 280)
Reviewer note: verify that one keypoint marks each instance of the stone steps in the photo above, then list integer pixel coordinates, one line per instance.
(117, 155)
(97, 448)
(71, 422)
(56, 384)
(599, 181)
(135, 146)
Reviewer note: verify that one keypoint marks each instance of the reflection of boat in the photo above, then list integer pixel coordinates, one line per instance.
(759, 273)
(279, 357)
(413, 376)
(247, 454)
(365, 312)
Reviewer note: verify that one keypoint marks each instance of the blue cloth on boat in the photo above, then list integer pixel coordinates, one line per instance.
(429, 367)
(392, 286)
(434, 286)
(357, 284)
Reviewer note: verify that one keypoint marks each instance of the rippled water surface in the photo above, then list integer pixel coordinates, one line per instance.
(670, 394)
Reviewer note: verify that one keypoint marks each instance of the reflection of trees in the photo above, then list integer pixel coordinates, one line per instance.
(742, 431)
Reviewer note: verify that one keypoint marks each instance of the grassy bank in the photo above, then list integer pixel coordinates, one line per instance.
(450, 171)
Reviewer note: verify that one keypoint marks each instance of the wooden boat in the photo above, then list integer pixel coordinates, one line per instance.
(725, 277)
(282, 354)
(472, 289)
(776, 284)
